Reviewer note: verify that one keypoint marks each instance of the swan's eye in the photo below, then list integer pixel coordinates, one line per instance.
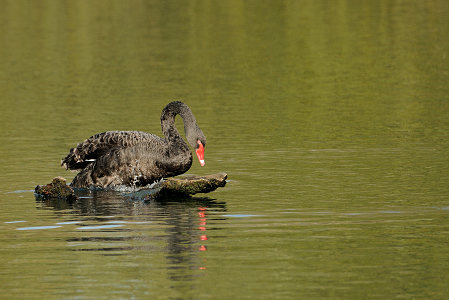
(201, 144)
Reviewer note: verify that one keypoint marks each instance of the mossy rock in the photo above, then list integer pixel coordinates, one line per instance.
(179, 186)
(58, 188)
(190, 185)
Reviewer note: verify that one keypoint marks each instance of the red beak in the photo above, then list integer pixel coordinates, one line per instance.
(200, 153)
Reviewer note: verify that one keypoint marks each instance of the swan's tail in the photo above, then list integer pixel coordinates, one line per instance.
(74, 161)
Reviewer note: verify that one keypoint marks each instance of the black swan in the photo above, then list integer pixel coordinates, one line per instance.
(136, 158)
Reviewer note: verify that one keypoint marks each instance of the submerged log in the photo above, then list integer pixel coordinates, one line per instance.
(179, 186)
(58, 188)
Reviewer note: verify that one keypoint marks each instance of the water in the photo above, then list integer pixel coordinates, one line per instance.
(330, 118)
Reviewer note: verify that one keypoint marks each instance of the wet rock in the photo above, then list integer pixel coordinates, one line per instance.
(58, 188)
(178, 186)
(190, 185)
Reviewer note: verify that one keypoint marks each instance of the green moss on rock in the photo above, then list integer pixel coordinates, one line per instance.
(58, 188)
(194, 184)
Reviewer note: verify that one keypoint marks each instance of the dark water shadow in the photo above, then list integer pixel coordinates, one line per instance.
(108, 202)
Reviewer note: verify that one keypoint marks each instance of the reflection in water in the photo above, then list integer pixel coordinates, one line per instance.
(115, 225)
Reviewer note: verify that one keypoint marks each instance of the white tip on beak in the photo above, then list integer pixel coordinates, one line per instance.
(202, 163)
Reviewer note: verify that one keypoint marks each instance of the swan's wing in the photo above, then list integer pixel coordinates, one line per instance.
(101, 143)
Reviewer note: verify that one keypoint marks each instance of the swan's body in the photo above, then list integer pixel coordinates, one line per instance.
(136, 158)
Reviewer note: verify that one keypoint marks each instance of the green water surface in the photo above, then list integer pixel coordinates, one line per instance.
(331, 119)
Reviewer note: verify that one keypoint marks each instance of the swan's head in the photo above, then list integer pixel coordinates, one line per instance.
(197, 140)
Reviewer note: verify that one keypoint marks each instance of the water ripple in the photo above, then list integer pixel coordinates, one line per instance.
(99, 227)
(37, 227)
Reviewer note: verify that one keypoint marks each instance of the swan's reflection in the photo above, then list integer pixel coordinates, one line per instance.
(175, 227)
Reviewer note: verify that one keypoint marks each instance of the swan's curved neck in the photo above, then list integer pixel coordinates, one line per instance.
(169, 130)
